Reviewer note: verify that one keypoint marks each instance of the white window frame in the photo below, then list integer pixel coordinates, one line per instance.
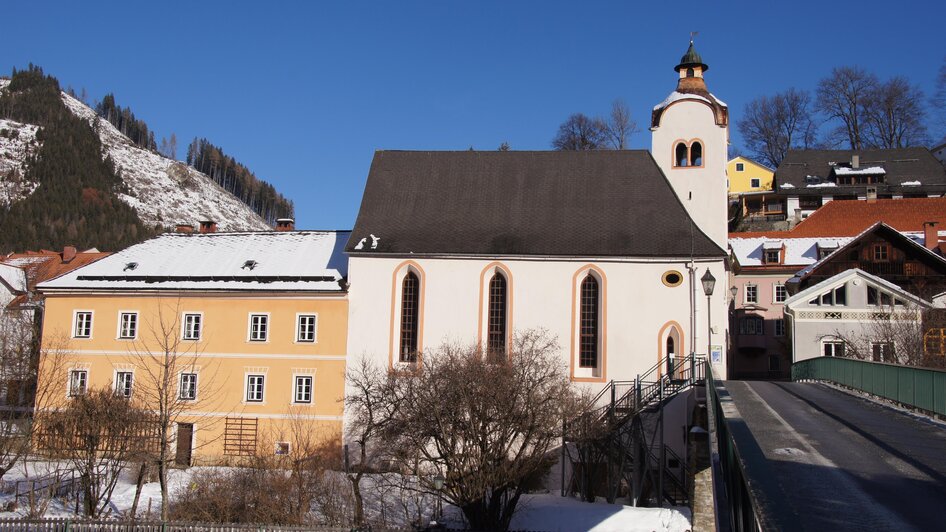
(71, 392)
(775, 291)
(740, 167)
(755, 182)
(767, 252)
(295, 388)
(833, 342)
(121, 324)
(779, 327)
(745, 294)
(119, 385)
(889, 351)
(247, 388)
(185, 329)
(315, 327)
(180, 386)
(75, 324)
(249, 328)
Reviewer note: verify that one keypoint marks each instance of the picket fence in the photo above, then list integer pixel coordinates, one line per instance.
(91, 525)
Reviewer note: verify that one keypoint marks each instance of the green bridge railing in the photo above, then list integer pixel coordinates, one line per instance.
(920, 388)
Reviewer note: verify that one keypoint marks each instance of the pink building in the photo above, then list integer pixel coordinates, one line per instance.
(762, 262)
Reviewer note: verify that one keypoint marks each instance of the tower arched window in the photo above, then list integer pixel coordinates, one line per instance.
(696, 154)
(680, 155)
(589, 323)
(410, 313)
(498, 308)
(690, 72)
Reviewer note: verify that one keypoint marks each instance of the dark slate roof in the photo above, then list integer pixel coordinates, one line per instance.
(691, 58)
(557, 203)
(901, 165)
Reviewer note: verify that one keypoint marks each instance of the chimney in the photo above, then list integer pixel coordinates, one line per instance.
(184, 228)
(871, 194)
(69, 253)
(930, 235)
(208, 226)
(285, 224)
(855, 161)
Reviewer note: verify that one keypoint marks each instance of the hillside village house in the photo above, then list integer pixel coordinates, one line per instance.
(604, 249)
(746, 175)
(808, 179)
(255, 322)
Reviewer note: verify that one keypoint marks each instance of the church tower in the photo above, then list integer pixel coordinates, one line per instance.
(690, 137)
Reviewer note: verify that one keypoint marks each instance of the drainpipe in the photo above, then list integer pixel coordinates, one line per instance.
(691, 268)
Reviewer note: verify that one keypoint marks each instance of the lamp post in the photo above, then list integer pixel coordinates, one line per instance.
(709, 282)
(438, 485)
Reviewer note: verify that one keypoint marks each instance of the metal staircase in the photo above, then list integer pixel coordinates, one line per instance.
(612, 450)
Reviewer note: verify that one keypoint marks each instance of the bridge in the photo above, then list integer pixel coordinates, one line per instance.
(804, 455)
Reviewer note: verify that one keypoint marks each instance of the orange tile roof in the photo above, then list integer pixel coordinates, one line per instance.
(45, 265)
(850, 218)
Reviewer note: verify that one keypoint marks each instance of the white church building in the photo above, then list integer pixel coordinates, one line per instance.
(603, 249)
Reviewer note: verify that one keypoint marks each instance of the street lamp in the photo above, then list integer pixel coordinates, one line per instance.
(438, 485)
(734, 290)
(709, 282)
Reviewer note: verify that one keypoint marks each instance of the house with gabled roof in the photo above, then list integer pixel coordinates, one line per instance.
(604, 249)
(253, 326)
(855, 313)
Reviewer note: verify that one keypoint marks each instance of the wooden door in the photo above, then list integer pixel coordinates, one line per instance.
(185, 438)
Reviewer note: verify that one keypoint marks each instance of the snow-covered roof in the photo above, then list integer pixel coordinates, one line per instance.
(845, 276)
(786, 185)
(821, 185)
(825, 243)
(772, 244)
(868, 170)
(13, 276)
(798, 251)
(676, 96)
(268, 260)
(911, 183)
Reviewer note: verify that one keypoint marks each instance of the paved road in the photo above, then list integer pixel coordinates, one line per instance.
(820, 459)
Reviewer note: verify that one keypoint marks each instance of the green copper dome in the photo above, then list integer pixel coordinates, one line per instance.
(691, 59)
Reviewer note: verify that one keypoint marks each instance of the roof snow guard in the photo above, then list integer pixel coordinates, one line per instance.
(288, 260)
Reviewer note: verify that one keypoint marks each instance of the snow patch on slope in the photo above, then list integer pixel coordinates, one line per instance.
(164, 192)
(17, 143)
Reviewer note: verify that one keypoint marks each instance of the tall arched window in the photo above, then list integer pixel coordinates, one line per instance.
(496, 335)
(588, 355)
(680, 155)
(410, 307)
(690, 73)
(696, 154)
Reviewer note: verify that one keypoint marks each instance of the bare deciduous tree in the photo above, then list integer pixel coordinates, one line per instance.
(939, 101)
(894, 115)
(620, 126)
(160, 358)
(842, 97)
(581, 132)
(488, 428)
(97, 432)
(774, 125)
(894, 336)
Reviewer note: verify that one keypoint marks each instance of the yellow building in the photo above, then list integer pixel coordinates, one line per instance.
(746, 175)
(249, 330)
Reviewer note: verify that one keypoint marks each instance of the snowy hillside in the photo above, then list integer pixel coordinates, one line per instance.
(17, 143)
(163, 191)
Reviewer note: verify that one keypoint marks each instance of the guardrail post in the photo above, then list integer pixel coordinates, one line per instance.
(637, 388)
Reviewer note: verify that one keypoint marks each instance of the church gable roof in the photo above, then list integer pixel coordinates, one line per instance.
(557, 203)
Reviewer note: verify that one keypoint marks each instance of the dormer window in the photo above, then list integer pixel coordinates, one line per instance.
(771, 256)
(772, 252)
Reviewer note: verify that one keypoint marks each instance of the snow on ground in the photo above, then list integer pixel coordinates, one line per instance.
(551, 513)
(163, 191)
(389, 497)
(17, 143)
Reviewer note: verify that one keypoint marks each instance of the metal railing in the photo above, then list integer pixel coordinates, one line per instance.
(733, 503)
(110, 525)
(920, 388)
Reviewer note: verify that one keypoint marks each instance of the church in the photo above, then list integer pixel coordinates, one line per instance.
(605, 250)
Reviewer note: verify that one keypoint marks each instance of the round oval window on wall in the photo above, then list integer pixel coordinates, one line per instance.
(672, 278)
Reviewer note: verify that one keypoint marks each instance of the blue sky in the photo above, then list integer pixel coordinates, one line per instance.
(303, 93)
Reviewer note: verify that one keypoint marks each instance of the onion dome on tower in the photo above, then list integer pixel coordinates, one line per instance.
(691, 85)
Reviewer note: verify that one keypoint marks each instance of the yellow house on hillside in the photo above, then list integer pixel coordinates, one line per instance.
(246, 330)
(746, 175)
